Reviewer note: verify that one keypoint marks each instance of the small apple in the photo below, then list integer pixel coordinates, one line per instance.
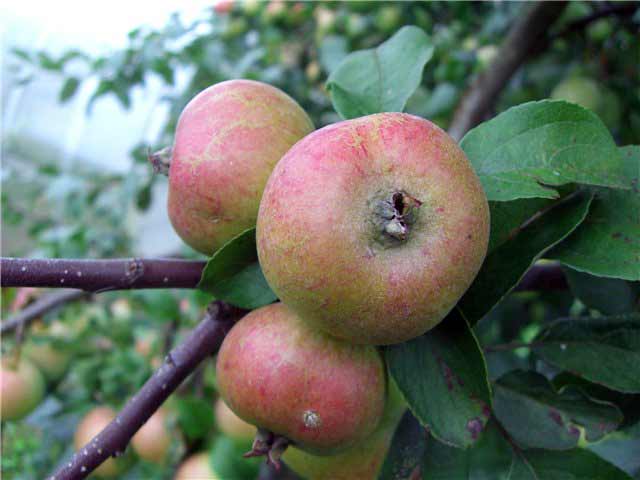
(227, 141)
(372, 229)
(322, 394)
(91, 425)
(22, 388)
(196, 467)
(232, 425)
(153, 441)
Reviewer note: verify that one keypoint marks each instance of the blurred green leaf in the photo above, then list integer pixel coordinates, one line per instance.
(195, 416)
(233, 274)
(332, 51)
(380, 79)
(226, 458)
(506, 265)
(527, 150)
(608, 243)
(537, 416)
(603, 350)
(443, 376)
(69, 88)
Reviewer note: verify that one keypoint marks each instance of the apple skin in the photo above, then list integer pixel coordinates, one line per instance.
(331, 249)
(277, 373)
(153, 441)
(228, 139)
(22, 388)
(362, 461)
(231, 425)
(197, 466)
(92, 424)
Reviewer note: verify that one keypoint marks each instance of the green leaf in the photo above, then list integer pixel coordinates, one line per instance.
(607, 295)
(380, 79)
(233, 274)
(332, 51)
(537, 416)
(525, 151)
(608, 243)
(496, 457)
(443, 377)
(506, 265)
(68, 89)
(507, 218)
(603, 350)
(226, 459)
(406, 451)
(195, 416)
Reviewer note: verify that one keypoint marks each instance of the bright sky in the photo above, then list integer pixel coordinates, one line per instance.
(93, 25)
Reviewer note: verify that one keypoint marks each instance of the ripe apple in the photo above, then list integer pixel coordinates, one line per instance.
(228, 139)
(232, 425)
(51, 359)
(372, 229)
(276, 372)
(22, 388)
(153, 441)
(197, 466)
(92, 424)
(363, 460)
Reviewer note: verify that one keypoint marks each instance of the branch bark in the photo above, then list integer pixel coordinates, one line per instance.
(100, 275)
(41, 306)
(483, 93)
(204, 340)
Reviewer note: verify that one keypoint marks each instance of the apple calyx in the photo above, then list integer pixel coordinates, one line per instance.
(269, 444)
(393, 216)
(160, 160)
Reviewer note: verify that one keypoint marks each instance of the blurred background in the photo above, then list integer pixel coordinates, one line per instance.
(89, 89)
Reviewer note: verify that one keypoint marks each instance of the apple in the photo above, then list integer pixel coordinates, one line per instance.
(51, 359)
(362, 461)
(90, 426)
(293, 381)
(372, 229)
(228, 139)
(22, 388)
(196, 467)
(153, 441)
(232, 425)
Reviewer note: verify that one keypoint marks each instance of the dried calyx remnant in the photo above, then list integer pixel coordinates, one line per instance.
(268, 444)
(393, 216)
(160, 160)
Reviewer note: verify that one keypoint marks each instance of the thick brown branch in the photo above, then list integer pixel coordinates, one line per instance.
(41, 306)
(100, 275)
(178, 364)
(521, 40)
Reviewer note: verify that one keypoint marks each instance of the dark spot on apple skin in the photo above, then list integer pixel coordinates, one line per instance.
(469, 237)
(556, 417)
(475, 427)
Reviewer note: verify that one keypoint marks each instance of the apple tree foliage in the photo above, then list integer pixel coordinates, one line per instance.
(512, 384)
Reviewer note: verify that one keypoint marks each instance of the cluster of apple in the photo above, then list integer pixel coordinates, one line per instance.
(368, 230)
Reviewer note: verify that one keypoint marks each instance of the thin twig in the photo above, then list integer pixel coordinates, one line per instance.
(204, 340)
(101, 275)
(625, 9)
(523, 37)
(41, 306)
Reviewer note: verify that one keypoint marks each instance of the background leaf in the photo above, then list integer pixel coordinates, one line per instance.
(603, 350)
(504, 266)
(443, 377)
(537, 416)
(608, 243)
(495, 457)
(526, 150)
(607, 295)
(406, 451)
(380, 79)
(233, 274)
